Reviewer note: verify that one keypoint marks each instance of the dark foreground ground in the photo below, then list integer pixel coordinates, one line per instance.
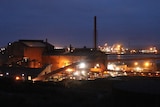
(106, 92)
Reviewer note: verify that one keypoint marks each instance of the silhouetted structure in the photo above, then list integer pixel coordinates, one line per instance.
(28, 53)
(95, 33)
(39, 54)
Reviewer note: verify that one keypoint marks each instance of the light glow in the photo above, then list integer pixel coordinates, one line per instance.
(82, 65)
(17, 78)
(146, 64)
(29, 78)
(76, 73)
(136, 63)
(1, 75)
(111, 66)
(69, 70)
(138, 69)
(83, 73)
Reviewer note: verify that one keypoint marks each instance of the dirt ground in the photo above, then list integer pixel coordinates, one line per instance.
(104, 92)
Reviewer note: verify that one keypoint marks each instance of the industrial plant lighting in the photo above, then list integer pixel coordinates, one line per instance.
(146, 64)
(82, 65)
(1, 75)
(138, 69)
(111, 66)
(83, 73)
(136, 63)
(29, 78)
(76, 73)
(17, 78)
(69, 70)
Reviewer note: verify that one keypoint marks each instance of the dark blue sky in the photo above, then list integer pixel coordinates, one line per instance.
(65, 22)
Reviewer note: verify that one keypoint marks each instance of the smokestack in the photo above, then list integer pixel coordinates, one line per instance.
(95, 34)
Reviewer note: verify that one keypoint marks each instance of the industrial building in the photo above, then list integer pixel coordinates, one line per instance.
(38, 54)
(73, 63)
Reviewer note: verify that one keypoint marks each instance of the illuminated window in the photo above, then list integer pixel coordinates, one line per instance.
(29, 78)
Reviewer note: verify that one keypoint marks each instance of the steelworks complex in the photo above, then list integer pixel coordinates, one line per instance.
(39, 60)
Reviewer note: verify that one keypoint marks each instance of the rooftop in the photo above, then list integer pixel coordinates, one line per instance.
(33, 43)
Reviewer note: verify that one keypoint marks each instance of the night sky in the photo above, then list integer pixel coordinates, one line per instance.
(65, 22)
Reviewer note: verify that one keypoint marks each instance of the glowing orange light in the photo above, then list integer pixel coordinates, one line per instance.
(146, 64)
(136, 63)
(17, 78)
(69, 70)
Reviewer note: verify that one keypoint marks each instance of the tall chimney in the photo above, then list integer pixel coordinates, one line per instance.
(95, 34)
